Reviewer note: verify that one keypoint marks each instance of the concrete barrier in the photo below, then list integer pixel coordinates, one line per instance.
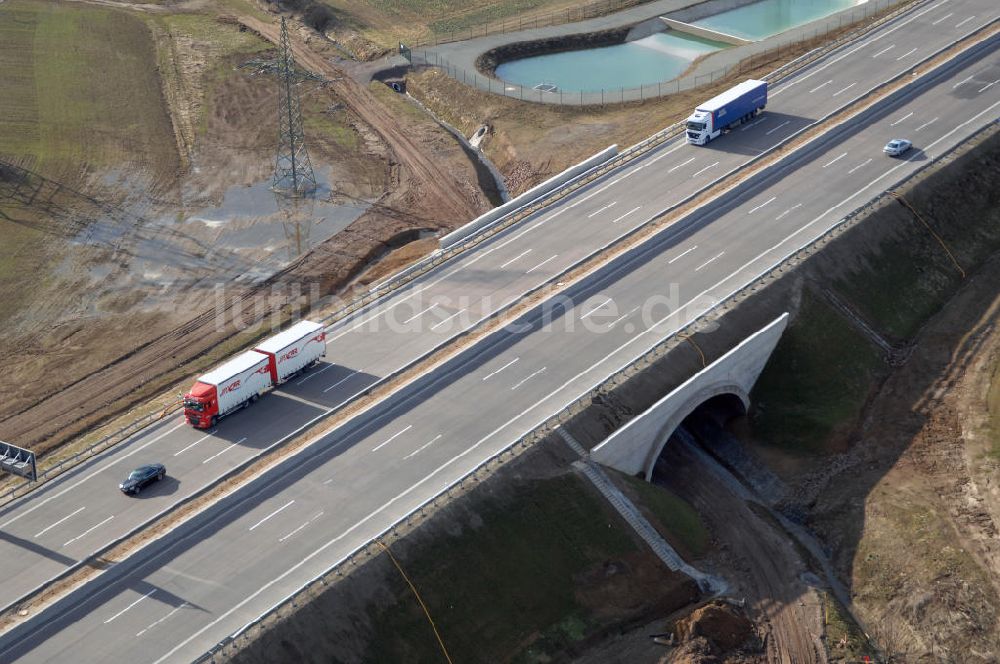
(635, 447)
(704, 33)
(553, 183)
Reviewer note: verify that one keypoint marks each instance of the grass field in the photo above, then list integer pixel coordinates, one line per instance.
(818, 378)
(80, 90)
(490, 588)
(386, 22)
(683, 527)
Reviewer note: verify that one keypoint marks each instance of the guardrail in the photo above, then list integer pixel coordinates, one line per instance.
(99, 446)
(423, 266)
(614, 378)
(613, 96)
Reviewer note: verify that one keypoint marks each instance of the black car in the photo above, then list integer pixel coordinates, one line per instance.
(143, 476)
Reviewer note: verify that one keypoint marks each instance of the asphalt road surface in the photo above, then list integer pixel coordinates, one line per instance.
(196, 586)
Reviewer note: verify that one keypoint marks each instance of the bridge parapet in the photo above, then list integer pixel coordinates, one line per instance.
(635, 447)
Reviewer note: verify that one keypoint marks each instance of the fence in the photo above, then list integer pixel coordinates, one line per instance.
(759, 54)
(518, 23)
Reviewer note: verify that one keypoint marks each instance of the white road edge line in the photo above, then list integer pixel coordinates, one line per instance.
(307, 558)
(93, 474)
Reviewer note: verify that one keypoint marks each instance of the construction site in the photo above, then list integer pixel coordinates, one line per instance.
(181, 178)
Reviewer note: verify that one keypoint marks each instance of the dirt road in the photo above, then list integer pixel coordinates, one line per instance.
(427, 177)
(762, 564)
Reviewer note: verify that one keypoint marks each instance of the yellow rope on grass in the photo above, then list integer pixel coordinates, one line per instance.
(423, 606)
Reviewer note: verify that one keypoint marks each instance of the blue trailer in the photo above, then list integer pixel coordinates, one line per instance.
(734, 106)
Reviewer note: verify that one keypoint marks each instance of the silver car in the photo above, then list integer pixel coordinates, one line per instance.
(897, 146)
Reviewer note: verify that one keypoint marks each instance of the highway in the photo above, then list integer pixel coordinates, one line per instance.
(363, 478)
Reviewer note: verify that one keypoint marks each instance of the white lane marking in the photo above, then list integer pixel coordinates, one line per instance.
(694, 175)
(788, 210)
(45, 530)
(885, 50)
(501, 368)
(767, 202)
(715, 257)
(901, 119)
(316, 373)
(302, 526)
(597, 212)
(861, 165)
(943, 18)
(771, 131)
(680, 256)
(445, 320)
(274, 513)
(960, 24)
(526, 251)
(392, 438)
(130, 606)
(845, 89)
(207, 435)
(595, 309)
(835, 160)
(637, 207)
(988, 86)
(821, 86)
(754, 124)
(623, 316)
(224, 450)
(928, 123)
(93, 474)
(422, 447)
(89, 530)
(342, 380)
(421, 313)
(553, 256)
(865, 44)
(681, 165)
(963, 82)
(183, 605)
(905, 54)
(416, 485)
(527, 378)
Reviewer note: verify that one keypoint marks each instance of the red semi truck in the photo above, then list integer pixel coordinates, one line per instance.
(243, 379)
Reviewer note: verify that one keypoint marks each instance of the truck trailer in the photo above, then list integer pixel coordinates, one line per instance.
(734, 106)
(242, 380)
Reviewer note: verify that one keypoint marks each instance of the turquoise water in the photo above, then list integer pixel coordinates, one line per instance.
(659, 57)
(662, 56)
(769, 17)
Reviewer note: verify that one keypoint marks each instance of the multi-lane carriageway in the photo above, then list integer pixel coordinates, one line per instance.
(182, 594)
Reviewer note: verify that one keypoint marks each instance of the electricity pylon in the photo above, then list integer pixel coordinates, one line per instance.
(293, 172)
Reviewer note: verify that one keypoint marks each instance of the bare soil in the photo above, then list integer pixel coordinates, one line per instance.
(416, 173)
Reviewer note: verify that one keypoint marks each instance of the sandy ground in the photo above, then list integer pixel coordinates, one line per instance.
(155, 257)
(922, 499)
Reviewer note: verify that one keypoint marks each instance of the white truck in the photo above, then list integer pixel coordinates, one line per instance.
(728, 109)
(243, 379)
